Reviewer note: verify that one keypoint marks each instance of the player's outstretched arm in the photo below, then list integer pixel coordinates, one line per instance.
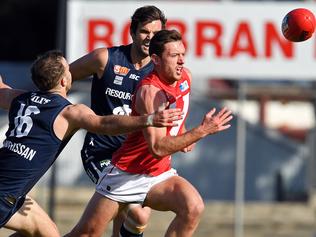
(161, 145)
(149, 97)
(7, 94)
(89, 64)
(81, 116)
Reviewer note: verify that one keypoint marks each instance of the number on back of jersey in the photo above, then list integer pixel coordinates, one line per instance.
(23, 122)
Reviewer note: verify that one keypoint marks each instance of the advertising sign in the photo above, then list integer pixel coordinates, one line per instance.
(235, 40)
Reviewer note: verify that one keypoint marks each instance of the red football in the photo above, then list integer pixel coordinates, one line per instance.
(298, 25)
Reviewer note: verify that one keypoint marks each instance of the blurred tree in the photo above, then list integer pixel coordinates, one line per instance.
(27, 28)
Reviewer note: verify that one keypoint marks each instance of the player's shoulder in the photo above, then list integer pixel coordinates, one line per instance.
(76, 108)
(149, 87)
(120, 50)
(74, 111)
(97, 58)
(99, 53)
(150, 92)
(149, 98)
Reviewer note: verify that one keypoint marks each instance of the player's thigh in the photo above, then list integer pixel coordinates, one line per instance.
(174, 194)
(31, 219)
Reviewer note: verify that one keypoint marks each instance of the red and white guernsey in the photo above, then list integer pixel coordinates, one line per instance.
(134, 156)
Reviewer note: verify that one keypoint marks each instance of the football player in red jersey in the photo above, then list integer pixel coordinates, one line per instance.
(141, 169)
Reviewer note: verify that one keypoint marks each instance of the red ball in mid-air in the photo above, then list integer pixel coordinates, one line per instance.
(298, 25)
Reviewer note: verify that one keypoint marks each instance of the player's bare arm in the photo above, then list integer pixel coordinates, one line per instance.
(81, 116)
(90, 64)
(7, 94)
(160, 145)
(212, 123)
(190, 147)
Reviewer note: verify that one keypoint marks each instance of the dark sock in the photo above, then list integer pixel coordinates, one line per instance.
(125, 233)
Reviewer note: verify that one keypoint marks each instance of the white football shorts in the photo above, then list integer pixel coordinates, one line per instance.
(125, 187)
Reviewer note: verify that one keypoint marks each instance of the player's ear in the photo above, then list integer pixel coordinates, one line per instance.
(63, 81)
(155, 58)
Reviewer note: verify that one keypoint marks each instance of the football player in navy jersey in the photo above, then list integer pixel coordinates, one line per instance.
(116, 72)
(40, 125)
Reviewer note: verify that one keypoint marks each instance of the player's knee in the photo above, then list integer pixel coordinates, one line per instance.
(39, 223)
(137, 219)
(43, 226)
(198, 209)
(191, 211)
(140, 216)
(28, 229)
(194, 212)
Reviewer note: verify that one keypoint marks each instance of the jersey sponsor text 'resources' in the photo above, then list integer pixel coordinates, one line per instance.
(119, 94)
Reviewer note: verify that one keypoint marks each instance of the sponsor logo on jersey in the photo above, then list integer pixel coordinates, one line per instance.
(20, 149)
(134, 77)
(184, 86)
(91, 143)
(105, 163)
(120, 70)
(39, 100)
(118, 80)
(118, 94)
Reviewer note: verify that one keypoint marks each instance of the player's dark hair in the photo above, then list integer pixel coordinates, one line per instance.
(47, 70)
(159, 40)
(147, 14)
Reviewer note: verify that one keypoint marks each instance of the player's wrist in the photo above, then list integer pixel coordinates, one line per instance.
(200, 132)
(150, 120)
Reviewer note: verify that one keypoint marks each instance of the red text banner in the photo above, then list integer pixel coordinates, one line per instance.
(223, 39)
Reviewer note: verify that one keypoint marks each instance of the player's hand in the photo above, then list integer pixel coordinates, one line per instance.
(165, 118)
(213, 123)
(1, 82)
(3, 85)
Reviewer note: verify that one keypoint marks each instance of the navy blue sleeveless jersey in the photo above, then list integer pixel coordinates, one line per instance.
(112, 94)
(31, 145)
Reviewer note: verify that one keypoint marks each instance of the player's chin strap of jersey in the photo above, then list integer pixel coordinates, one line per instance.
(130, 227)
